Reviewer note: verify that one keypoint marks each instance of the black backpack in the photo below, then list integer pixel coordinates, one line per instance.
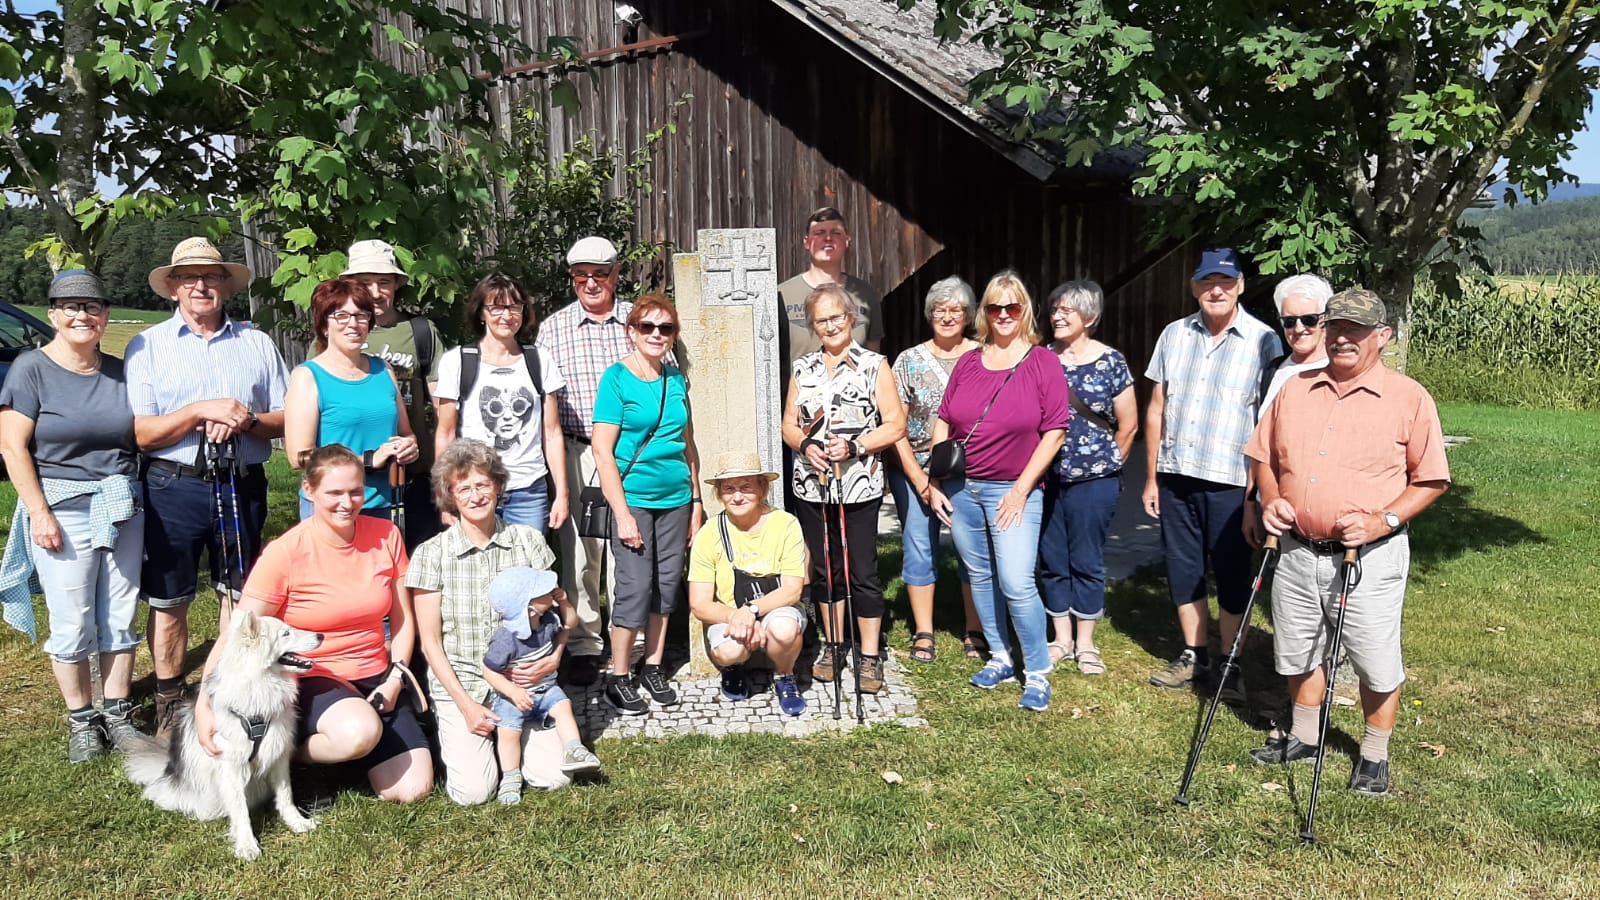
(470, 357)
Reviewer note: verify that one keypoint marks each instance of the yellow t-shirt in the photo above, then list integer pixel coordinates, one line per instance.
(780, 549)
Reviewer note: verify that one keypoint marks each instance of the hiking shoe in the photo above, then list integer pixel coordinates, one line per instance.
(1233, 692)
(1036, 693)
(1180, 673)
(735, 686)
(119, 725)
(1281, 750)
(869, 672)
(1370, 778)
(86, 738)
(623, 695)
(583, 671)
(789, 699)
(657, 686)
(828, 657)
(993, 672)
(579, 759)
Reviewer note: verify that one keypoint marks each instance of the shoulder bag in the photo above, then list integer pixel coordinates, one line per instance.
(594, 513)
(948, 458)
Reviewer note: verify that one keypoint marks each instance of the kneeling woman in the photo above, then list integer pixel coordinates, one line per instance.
(341, 573)
(746, 571)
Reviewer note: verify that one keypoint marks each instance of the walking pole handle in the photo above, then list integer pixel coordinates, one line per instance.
(1351, 555)
(1271, 543)
(397, 474)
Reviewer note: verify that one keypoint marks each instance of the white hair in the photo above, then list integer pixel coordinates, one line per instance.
(1311, 287)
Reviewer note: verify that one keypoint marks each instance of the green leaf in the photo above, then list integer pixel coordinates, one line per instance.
(294, 149)
(565, 96)
(300, 239)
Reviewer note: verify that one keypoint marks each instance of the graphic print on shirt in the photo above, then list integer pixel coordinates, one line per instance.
(506, 413)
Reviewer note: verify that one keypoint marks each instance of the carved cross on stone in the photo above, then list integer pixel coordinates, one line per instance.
(728, 260)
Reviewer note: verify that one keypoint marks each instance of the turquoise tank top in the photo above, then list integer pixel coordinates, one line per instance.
(361, 415)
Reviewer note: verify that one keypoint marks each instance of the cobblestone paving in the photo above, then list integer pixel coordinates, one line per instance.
(703, 711)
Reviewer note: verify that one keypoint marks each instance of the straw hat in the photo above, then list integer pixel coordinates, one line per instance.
(197, 251)
(374, 258)
(738, 464)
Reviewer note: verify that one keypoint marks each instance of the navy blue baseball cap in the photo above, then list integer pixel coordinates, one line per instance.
(1218, 261)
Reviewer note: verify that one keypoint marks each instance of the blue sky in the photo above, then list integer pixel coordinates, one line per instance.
(1585, 162)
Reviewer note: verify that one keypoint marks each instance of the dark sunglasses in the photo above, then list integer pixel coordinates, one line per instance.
(1309, 320)
(667, 329)
(993, 310)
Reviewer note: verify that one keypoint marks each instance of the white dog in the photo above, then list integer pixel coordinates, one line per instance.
(253, 691)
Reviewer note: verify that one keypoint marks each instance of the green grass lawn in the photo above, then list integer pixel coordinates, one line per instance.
(1494, 761)
(125, 323)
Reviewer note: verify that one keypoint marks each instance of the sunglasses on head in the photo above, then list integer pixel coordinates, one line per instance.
(667, 329)
(1309, 320)
(994, 310)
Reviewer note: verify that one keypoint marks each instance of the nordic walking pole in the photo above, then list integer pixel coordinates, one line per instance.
(825, 608)
(1269, 563)
(397, 504)
(849, 600)
(214, 465)
(231, 456)
(1347, 581)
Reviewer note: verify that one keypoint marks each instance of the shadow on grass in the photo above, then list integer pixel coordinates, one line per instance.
(1453, 527)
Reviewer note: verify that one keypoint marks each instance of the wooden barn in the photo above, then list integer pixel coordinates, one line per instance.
(797, 104)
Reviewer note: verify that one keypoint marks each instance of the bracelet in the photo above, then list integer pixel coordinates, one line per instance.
(813, 441)
(696, 500)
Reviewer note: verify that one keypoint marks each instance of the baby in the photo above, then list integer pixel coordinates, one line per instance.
(532, 630)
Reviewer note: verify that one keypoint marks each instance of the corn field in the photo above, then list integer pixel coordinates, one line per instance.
(1513, 341)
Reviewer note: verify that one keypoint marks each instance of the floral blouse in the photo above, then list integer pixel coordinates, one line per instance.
(921, 378)
(1091, 451)
(845, 405)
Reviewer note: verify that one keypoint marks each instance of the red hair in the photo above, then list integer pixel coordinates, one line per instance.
(329, 296)
(650, 302)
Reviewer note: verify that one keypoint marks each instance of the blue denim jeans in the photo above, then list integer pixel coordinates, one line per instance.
(528, 506)
(1012, 564)
(1072, 545)
(919, 534)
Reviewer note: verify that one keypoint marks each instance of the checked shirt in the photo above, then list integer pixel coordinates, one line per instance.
(584, 347)
(460, 572)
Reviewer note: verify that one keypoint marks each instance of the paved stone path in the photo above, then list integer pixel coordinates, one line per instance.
(703, 711)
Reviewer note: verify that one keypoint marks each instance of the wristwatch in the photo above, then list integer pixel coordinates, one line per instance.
(1391, 520)
(752, 609)
(251, 423)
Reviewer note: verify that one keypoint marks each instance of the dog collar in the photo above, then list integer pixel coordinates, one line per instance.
(256, 728)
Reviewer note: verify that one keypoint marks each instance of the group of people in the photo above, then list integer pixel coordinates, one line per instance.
(128, 471)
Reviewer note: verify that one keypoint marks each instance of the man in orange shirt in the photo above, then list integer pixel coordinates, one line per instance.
(1346, 457)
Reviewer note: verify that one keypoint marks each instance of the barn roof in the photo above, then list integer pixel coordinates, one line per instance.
(901, 46)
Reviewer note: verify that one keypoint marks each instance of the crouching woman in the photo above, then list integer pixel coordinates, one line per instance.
(746, 570)
(341, 574)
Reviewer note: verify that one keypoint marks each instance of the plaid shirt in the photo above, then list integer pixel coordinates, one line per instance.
(1212, 391)
(460, 572)
(584, 347)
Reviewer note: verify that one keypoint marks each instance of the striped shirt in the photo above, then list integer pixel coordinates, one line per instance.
(584, 347)
(460, 572)
(1211, 390)
(170, 366)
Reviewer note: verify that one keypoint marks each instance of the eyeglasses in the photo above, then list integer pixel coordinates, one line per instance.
(1309, 320)
(996, 310)
(210, 279)
(581, 277)
(667, 329)
(834, 321)
(503, 311)
(1063, 311)
(949, 315)
(343, 316)
(749, 488)
(475, 489)
(86, 307)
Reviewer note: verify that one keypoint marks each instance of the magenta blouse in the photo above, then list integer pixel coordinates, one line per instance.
(1035, 401)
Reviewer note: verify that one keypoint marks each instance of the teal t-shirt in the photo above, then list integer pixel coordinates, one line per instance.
(660, 479)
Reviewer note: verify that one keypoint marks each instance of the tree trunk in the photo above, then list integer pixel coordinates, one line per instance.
(78, 123)
(1394, 288)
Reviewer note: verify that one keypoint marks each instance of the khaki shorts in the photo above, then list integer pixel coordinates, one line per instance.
(1305, 607)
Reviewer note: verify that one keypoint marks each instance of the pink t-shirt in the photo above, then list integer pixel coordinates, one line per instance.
(1034, 401)
(316, 582)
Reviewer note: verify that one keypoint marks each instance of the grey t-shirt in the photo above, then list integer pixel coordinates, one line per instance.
(82, 424)
(802, 340)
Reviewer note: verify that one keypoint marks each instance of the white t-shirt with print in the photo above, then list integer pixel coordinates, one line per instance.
(503, 410)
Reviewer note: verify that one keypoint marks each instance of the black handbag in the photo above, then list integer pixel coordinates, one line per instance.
(747, 588)
(948, 458)
(594, 513)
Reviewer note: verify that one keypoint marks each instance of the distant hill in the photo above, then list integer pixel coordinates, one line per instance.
(1558, 194)
(1552, 238)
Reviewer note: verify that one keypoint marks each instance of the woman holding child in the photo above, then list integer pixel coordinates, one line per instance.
(450, 577)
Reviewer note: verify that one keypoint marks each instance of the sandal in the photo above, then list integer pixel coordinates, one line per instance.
(976, 646)
(1060, 651)
(922, 648)
(1090, 663)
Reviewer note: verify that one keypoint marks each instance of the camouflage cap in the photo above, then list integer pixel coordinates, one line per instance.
(1357, 305)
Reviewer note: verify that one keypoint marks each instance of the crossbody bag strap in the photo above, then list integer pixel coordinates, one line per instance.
(985, 414)
(727, 542)
(1082, 409)
(661, 414)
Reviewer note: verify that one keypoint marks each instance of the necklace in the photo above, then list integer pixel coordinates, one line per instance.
(72, 362)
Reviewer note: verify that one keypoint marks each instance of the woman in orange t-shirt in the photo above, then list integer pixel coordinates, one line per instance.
(341, 574)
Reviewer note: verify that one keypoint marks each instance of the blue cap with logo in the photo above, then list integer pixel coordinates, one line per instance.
(1218, 261)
